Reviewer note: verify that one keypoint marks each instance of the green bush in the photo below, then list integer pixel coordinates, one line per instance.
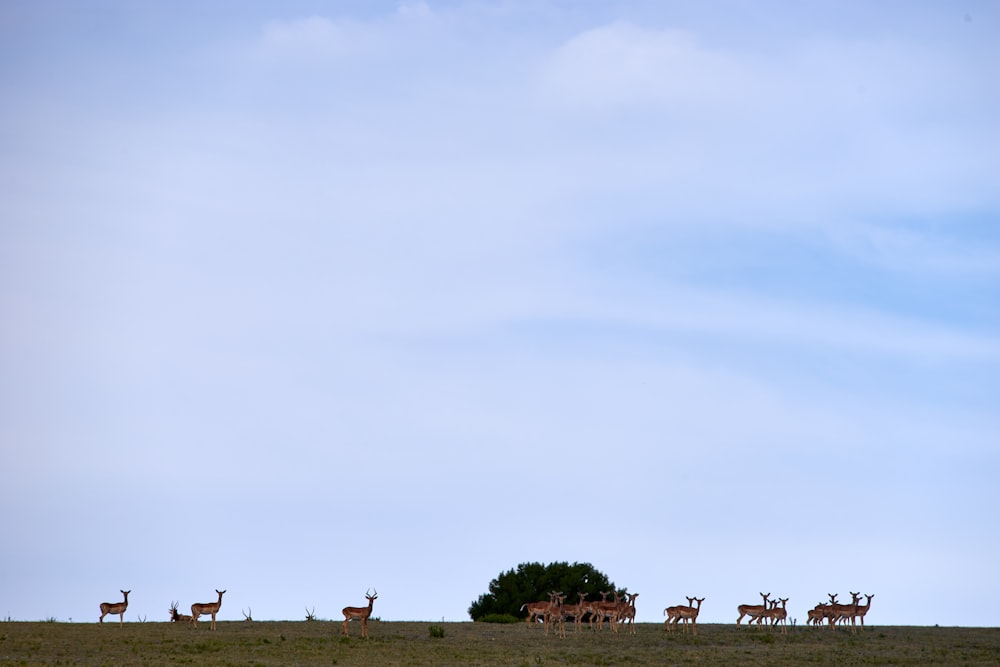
(437, 632)
(532, 582)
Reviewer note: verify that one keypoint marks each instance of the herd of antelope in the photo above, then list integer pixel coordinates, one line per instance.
(212, 608)
(832, 611)
(554, 613)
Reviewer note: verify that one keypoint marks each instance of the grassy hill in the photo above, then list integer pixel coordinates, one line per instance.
(275, 644)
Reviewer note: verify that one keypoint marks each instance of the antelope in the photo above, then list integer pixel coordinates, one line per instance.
(817, 614)
(576, 611)
(754, 611)
(671, 614)
(537, 610)
(828, 608)
(607, 610)
(594, 609)
(863, 609)
(555, 615)
(845, 611)
(626, 613)
(779, 614)
(682, 613)
(199, 608)
(247, 615)
(360, 612)
(115, 608)
(176, 617)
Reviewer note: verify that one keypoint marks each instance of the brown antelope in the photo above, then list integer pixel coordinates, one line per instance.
(779, 615)
(555, 616)
(607, 610)
(687, 613)
(115, 608)
(844, 612)
(594, 606)
(247, 615)
(576, 611)
(754, 611)
(626, 613)
(199, 608)
(817, 614)
(671, 614)
(360, 612)
(537, 610)
(863, 609)
(176, 617)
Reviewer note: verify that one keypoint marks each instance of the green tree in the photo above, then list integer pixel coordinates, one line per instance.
(532, 582)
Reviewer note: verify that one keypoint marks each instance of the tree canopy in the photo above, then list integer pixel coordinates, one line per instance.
(532, 582)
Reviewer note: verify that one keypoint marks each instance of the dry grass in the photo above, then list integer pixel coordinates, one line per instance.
(410, 643)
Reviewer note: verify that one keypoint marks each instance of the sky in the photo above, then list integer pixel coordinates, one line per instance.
(300, 299)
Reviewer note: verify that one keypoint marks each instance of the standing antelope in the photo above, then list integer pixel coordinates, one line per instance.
(360, 612)
(685, 613)
(627, 613)
(199, 608)
(779, 615)
(576, 611)
(607, 610)
(176, 617)
(863, 609)
(537, 610)
(115, 608)
(555, 615)
(845, 611)
(817, 614)
(752, 610)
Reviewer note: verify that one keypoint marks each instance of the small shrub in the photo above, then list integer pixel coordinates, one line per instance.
(437, 632)
(499, 618)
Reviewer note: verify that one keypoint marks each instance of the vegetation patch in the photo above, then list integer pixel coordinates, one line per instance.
(503, 644)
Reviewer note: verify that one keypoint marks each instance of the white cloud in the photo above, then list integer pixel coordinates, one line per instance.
(622, 65)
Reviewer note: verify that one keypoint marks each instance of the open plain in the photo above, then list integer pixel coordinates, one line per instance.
(302, 643)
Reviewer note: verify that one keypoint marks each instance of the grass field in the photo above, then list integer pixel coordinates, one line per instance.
(410, 643)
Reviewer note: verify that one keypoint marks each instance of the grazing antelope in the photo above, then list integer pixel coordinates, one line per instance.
(754, 611)
(176, 617)
(199, 608)
(360, 612)
(247, 615)
(115, 608)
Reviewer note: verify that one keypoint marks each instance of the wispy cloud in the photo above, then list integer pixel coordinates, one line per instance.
(469, 250)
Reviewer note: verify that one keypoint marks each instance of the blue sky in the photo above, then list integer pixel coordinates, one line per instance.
(308, 298)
